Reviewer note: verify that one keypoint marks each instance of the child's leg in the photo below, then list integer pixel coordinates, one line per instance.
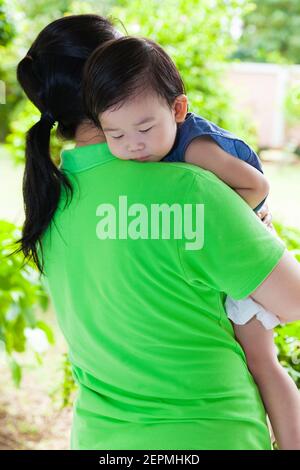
(279, 392)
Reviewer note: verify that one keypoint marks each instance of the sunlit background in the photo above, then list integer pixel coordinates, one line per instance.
(240, 61)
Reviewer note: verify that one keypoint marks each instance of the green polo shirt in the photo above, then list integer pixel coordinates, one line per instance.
(151, 348)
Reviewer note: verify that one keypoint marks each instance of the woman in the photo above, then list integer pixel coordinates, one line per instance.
(151, 348)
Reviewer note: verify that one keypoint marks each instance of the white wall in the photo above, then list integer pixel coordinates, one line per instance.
(261, 89)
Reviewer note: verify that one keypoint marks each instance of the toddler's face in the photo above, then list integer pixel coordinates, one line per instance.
(143, 129)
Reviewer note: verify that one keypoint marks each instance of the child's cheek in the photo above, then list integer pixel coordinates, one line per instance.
(165, 141)
(118, 151)
(113, 147)
(159, 140)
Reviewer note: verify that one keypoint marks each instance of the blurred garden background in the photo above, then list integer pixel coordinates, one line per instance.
(240, 61)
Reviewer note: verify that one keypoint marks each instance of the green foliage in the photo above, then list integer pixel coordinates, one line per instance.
(198, 41)
(21, 293)
(29, 18)
(291, 237)
(7, 29)
(287, 337)
(292, 104)
(62, 394)
(271, 32)
(69, 385)
(197, 35)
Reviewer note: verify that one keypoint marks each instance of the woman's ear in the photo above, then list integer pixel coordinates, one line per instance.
(180, 107)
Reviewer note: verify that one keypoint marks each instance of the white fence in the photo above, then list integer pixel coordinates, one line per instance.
(261, 89)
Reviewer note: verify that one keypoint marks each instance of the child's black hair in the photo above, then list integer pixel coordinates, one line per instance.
(122, 68)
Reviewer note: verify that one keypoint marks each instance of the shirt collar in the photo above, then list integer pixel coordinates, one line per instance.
(82, 158)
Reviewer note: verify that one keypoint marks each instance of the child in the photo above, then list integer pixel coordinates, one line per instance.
(134, 92)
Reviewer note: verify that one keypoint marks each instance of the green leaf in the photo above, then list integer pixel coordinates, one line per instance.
(16, 372)
(48, 331)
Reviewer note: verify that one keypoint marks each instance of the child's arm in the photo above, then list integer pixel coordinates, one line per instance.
(246, 180)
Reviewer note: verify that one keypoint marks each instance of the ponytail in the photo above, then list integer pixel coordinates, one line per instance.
(42, 184)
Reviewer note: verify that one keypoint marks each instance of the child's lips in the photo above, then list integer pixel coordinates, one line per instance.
(143, 158)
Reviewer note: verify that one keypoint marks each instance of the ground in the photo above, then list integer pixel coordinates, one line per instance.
(30, 417)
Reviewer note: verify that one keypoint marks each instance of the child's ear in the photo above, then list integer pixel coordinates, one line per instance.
(180, 107)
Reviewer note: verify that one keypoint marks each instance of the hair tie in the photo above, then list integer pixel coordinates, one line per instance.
(46, 116)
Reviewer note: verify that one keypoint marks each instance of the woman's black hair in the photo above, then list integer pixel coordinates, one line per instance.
(51, 76)
(122, 68)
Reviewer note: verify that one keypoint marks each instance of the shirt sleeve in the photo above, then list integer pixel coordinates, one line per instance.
(238, 251)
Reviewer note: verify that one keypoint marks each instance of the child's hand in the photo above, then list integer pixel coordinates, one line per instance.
(264, 214)
(266, 217)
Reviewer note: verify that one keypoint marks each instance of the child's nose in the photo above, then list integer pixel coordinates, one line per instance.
(135, 147)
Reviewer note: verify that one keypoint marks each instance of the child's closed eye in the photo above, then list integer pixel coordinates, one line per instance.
(146, 130)
(142, 131)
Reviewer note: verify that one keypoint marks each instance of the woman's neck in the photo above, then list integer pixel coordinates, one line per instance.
(88, 134)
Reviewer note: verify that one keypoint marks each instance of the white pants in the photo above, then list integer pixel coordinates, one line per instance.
(241, 311)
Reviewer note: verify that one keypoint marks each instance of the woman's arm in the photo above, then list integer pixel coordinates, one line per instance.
(246, 180)
(280, 291)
